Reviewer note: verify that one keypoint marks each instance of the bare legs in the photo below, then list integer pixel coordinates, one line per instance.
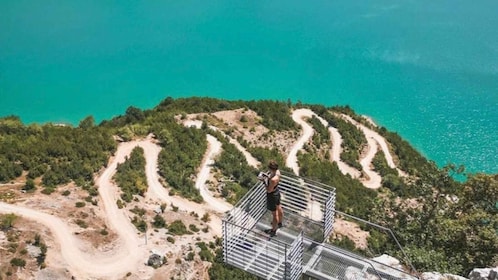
(274, 221)
(278, 216)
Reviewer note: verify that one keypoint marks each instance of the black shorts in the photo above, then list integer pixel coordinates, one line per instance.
(272, 200)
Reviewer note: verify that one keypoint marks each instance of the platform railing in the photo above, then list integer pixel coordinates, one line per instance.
(300, 248)
(254, 252)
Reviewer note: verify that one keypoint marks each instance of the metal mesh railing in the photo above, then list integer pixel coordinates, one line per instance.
(249, 210)
(294, 262)
(324, 261)
(305, 197)
(254, 252)
(328, 221)
(300, 248)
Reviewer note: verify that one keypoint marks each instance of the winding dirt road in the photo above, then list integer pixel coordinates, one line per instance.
(374, 140)
(80, 262)
(128, 251)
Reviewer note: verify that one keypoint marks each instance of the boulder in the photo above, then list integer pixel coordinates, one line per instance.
(155, 261)
(389, 261)
(439, 276)
(33, 251)
(484, 274)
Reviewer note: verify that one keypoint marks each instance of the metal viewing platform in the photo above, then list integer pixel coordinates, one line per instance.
(299, 250)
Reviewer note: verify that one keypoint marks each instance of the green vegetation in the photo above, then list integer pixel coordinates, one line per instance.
(59, 154)
(276, 115)
(29, 186)
(193, 228)
(206, 218)
(390, 178)
(190, 256)
(18, 262)
(80, 204)
(7, 221)
(456, 226)
(352, 197)
(16, 249)
(81, 223)
(220, 271)
(321, 135)
(182, 154)
(178, 228)
(130, 175)
(233, 165)
(139, 223)
(205, 254)
(353, 139)
(159, 222)
(410, 160)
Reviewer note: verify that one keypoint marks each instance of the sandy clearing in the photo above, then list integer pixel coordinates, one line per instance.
(352, 231)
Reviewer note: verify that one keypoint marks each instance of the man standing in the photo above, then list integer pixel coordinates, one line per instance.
(273, 197)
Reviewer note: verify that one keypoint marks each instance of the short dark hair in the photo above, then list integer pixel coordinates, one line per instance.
(273, 165)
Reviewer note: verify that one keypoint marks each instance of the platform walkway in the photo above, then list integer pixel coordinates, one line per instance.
(294, 253)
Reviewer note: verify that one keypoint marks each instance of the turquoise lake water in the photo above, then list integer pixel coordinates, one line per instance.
(425, 69)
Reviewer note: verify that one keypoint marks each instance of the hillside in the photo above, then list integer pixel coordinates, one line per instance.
(95, 201)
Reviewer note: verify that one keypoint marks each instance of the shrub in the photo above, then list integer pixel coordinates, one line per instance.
(205, 218)
(175, 208)
(80, 204)
(120, 204)
(48, 190)
(140, 224)
(138, 211)
(18, 262)
(81, 223)
(30, 186)
(193, 228)
(159, 222)
(190, 256)
(177, 228)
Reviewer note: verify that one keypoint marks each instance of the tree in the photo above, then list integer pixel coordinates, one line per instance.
(87, 122)
(18, 262)
(159, 222)
(7, 221)
(134, 114)
(30, 186)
